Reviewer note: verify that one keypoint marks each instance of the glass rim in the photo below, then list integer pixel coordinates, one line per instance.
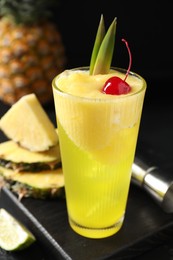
(94, 99)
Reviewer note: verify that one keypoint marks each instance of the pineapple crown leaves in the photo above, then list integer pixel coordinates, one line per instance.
(102, 53)
(28, 11)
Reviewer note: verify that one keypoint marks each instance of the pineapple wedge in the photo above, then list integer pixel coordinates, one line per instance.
(27, 123)
(15, 157)
(44, 184)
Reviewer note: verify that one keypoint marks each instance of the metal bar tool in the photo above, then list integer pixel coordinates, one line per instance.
(158, 183)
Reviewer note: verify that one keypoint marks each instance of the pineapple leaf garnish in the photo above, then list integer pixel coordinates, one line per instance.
(103, 59)
(99, 38)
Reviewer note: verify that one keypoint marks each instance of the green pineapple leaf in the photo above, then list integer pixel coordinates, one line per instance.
(99, 38)
(104, 56)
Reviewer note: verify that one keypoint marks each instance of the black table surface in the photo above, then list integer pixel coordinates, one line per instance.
(147, 230)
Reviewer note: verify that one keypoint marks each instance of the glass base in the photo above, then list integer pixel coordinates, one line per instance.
(96, 232)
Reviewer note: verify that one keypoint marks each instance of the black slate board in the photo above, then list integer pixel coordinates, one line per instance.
(146, 224)
(145, 227)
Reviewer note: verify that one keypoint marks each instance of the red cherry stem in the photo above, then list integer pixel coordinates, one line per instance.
(130, 58)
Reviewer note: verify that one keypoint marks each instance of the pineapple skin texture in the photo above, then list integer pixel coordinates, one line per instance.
(42, 185)
(30, 57)
(27, 123)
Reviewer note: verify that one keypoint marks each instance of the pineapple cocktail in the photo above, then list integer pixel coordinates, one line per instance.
(98, 132)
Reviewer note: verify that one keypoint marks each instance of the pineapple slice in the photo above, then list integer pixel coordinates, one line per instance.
(15, 157)
(45, 184)
(27, 123)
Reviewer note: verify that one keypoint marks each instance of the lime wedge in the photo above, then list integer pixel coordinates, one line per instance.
(13, 235)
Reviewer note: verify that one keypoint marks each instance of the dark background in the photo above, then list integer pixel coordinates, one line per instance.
(146, 25)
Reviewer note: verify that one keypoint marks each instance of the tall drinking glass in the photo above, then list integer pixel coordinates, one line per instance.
(98, 135)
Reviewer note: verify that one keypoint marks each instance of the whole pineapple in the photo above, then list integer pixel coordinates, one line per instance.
(31, 49)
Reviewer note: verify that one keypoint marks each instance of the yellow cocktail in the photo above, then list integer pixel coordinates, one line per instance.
(98, 135)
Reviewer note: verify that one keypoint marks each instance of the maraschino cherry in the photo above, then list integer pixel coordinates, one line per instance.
(115, 85)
